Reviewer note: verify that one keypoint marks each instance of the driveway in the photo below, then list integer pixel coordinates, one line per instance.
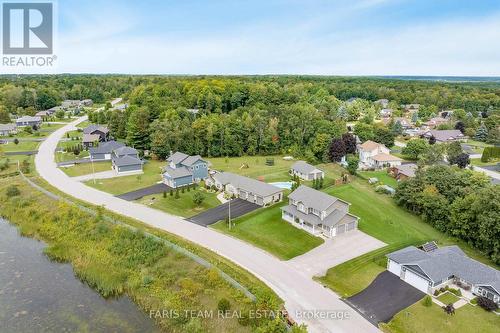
(301, 295)
(335, 251)
(384, 297)
(137, 194)
(239, 207)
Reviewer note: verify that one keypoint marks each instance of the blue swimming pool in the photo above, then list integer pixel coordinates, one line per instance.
(283, 185)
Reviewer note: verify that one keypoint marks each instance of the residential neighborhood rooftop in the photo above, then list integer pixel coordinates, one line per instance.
(250, 184)
(313, 198)
(303, 167)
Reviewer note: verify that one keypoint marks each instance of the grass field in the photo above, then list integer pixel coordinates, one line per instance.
(420, 319)
(447, 298)
(184, 206)
(63, 156)
(264, 228)
(383, 177)
(478, 162)
(86, 168)
(21, 146)
(120, 185)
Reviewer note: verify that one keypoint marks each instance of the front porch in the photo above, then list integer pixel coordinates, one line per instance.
(301, 224)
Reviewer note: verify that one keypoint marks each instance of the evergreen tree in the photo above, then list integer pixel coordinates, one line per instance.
(138, 129)
(482, 133)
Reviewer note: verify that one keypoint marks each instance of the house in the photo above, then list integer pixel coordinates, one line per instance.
(435, 122)
(70, 103)
(384, 103)
(375, 155)
(411, 107)
(183, 170)
(90, 140)
(29, 121)
(100, 130)
(103, 151)
(116, 101)
(245, 188)
(306, 171)
(442, 136)
(405, 123)
(318, 213)
(403, 171)
(120, 107)
(385, 113)
(126, 160)
(87, 102)
(431, 268)
(7, 129)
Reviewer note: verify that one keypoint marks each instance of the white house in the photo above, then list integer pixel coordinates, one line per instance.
(28, 121)
(431, 268)
(306, 171)
(375, 155)
(318, 213)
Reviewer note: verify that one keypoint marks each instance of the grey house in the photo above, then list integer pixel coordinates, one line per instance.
(90, 140)
(245, 188)
(183, 170)
(126, 160)
(318, 213)
(432, 268)
(7, 129)
(104, 150)
(29, 121)
(306, 171)
(442, 136)
(100, 130)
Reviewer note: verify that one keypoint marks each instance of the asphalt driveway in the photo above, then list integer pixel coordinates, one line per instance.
(137, 194)
(239, 207)
(384, 297)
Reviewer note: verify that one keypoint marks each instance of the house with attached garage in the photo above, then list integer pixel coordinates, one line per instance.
(7, 129)
(444, 136)
(318, 213)
(306, 171)
(373, 155)
(28, 121)
(183, 170)
(100, 130)
(245, 188)
(126, 160)
(431, 268)
(104, 150)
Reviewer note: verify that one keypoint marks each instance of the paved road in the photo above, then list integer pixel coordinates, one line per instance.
(384, 297)
(489, 171)
(301, 294)
(239, 207)
(137, 194)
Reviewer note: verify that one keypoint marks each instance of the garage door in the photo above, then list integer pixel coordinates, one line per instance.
(351, 226)
(243, 194)
(260, 201)
(394, 268)
(341, 229)
(416, 281)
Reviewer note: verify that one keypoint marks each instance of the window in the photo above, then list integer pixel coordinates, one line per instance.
(197, 167)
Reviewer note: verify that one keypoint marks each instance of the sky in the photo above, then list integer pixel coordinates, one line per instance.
(336, 37)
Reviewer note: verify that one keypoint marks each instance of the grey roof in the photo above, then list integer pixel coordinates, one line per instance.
(448, 261)
(126, 161)
(177, 172)
(91, 128)
(407, 169)
(177, 157)
(312, 198)
(304, 167)
(444, 135)
(90, 137)
(336, 217)
(124, 150)
(7, 127)
(28, 119)
(247, 184)
(190, 160)
(106, 147)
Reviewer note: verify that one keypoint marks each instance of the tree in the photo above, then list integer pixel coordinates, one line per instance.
(60, 114)
(16, 141)
(432, 140)
(432, 155)
(453, 150)
(198, 198)
(337, 150)
(397, 128)
(462, 160)
(138, 129)
(449, 309)
(364, 131)
(427, 301)
(177, 195)
(460, 126)
(4, 115)
(384, 136)
(482, 133)
(414, 148)
(320, 145)
(349, 143)
(352, 164)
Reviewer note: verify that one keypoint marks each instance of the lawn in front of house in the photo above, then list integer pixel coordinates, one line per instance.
(69, 156)
(21, 146)
(479, 163)
(421, 319)
(383, 177)
(120, 185)
(266, 229)
(184, 205)
(447, 298)
(86, 168)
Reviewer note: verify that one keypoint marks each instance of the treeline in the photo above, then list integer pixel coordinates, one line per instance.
(461, 203)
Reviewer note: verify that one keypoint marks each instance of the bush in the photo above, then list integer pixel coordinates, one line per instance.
(427, 301)
(198, 198)
(12, 191)
(436, 292)
(487, 303)
(223, 305)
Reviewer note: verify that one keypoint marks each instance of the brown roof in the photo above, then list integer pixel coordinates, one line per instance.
(385, 157)
(370, 145)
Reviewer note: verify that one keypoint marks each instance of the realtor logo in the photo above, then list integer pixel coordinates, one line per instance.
(27, 28)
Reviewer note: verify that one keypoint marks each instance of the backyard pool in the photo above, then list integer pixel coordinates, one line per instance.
(283, 185)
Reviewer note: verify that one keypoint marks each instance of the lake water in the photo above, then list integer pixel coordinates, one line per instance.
(37, 295)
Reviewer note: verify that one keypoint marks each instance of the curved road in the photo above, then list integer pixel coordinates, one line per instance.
(301, 294)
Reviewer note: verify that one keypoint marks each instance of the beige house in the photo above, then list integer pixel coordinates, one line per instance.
(373, 155)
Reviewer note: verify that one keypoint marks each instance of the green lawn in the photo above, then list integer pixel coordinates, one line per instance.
(86, 168)
(447, 298)
(21, 146)
(381, 218)
(62, 156)
(420, 319)
(184, 206)
(264, 228)
(477, 162)
(120, 185)
(383, 177)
